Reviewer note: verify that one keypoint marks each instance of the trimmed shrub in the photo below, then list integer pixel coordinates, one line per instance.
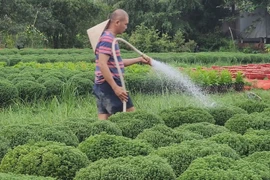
(218, 167)
(174, 117)
(262, 157)
(7, 92)
(252, 106)
(234, 140)
(56, 133)
(106, 146)
(10, 176)
(81, 127)
(133, 123)
(44, 159)
(105, 126)
(29, 90)
(21, 77)
(22, 134)
(204, 128)
(222, 114)
(54, 87)
(81, 86)
(4, 146)
(19, 134)
(241, 122)
(132, 168)
(63, 75)
(162, 135)
(180, 156)
(258, 140)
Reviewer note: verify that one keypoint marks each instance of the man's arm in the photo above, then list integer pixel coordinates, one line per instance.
(102, 62)
(144, 59)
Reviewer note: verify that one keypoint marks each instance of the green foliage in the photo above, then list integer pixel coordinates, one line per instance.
(222, 114)
(242, 122)
(104, 146)
(105, 126)
(133, 123)
(236, 141)
(57, 133)
(18, 134)
(44, 159)
(218, 167)
(54, 87)
(174, 117)
(252, 106)
(204, 128)
(7, 92)
(262, 157)
(29, 90)
(81, 86)
(132, 168)
(180, 156)
(81, 127)
(4, 146)
(258, 140)
(10, 176)
(158, 136)
(22, 134)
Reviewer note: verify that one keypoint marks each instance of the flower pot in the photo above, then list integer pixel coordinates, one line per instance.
(239, 86)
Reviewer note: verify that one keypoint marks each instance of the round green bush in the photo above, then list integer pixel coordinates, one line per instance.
(203, 128)
(22, 77)
(106, 146)
(252, 106)
(81, 86)
(63, 75)
(105, 126)
(161, 135)
(11, 176)
(44, 159)
(180, 156)
(262, 157)
(174, 117)
(222, 114)
(133, 123)
(19, 134)
(218, 167)
(81, 127)
(4, 146)
(56, 133)
(234, 140)
(22, 134)
(29, 90)
(7, 92)
(258, 140)
(54, 87)
(132, 168)
(241, 122)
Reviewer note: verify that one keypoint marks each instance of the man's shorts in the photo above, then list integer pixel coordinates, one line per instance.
(107, 101)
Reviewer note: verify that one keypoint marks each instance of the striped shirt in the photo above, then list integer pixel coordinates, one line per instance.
(104, 46)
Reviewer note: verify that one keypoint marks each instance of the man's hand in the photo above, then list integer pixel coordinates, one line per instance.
(146, 59)
(121, 93)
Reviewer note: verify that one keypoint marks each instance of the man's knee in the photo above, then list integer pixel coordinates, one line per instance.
(103, 116)
(131, 109)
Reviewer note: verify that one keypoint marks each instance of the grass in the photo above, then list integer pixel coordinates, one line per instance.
(55, 110)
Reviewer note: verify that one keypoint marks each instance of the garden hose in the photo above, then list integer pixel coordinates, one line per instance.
(118, 67)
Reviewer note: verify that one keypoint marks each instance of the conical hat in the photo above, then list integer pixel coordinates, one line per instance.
(95, 32)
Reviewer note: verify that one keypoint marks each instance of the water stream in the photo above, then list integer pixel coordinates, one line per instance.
(181, 81)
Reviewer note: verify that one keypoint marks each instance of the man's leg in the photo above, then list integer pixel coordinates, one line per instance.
(132, 109)
(103, 116)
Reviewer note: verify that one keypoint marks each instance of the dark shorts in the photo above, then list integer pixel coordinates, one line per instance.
(107, 101)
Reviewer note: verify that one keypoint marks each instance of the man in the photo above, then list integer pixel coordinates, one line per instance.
(108, 89)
